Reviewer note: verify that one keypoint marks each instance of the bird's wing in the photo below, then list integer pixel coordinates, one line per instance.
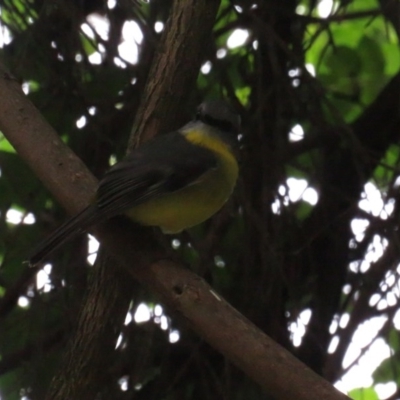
(166, 164)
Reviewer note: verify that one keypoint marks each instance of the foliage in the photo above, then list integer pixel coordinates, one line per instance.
(276, 255)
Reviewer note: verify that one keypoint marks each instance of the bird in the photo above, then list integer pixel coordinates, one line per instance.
(174, 181)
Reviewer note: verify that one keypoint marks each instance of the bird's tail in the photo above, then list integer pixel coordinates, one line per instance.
(72, 227)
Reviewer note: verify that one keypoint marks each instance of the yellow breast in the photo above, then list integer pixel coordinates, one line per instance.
(195, 203)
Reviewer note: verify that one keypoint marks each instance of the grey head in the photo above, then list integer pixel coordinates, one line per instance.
(219, 115)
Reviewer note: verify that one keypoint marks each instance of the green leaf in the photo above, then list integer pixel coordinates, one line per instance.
(394, 340)
(389, 368)
(343, 61)
(363, 394)
(384, 172)
(303, 210)
(5, 145)
(19, 181)
(391, 52)
(89, 45)
(370, 53)
(10, 385)
(243, 94)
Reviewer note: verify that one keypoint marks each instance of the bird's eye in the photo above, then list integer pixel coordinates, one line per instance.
(198, 115)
